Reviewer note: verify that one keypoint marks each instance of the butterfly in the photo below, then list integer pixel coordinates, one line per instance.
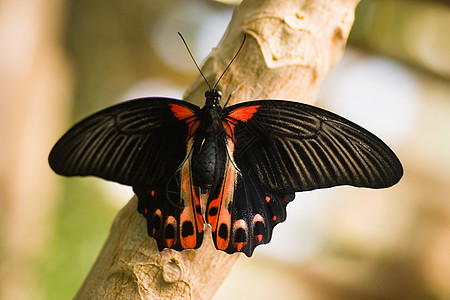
(245, 161)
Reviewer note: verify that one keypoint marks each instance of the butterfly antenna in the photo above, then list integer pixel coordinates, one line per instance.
(226, 69)
(193, 59)
(232, 93)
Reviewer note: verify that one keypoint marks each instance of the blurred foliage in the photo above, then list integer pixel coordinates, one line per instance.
(106, 42)
(415, 32)
(82, 224)
(109, 44)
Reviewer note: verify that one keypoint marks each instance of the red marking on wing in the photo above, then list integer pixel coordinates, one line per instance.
(220, 205)
(220, 202)
(221, 243)
(229, 127)
(181, 112)
(197, 203)
(223, 216)
(242, 114)
(186, 115)
(191, 198)
(170, 243)
(214, 205)
(190, 241)
(239, 245)
(191, 215)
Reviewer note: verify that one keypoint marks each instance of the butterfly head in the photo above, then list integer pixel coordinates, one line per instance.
(213, 97)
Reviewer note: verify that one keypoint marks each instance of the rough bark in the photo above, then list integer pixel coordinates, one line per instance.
(291, 47)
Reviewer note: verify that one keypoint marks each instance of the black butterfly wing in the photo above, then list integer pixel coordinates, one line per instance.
(241, 211)
(275, 148)
(292, 147)
(144, 143)
(138, 142)
(173, 210)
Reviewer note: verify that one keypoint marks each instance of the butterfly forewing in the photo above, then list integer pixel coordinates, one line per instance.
(138, 142)
(297, 147)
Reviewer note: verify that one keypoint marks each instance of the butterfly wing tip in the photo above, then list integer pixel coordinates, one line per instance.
(397, 175)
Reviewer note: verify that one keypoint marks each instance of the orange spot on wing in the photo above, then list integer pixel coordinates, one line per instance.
(267, 199)
(239, 246)
(170, 243)
(259, 237)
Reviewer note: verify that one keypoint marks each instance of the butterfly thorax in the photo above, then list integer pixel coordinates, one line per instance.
(211, 114)
(207, 160)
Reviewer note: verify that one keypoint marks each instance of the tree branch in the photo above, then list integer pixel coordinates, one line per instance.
(292, 46)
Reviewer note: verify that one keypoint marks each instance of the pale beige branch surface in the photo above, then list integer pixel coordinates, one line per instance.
(291, 47)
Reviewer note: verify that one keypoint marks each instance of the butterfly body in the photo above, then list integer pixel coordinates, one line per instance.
(248, 160)
(208, 154)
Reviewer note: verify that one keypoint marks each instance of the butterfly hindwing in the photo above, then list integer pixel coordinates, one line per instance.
(137, 142)
(293, 147)
(241, 211)
(173, 210)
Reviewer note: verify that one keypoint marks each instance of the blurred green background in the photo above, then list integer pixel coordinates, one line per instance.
(62, 60)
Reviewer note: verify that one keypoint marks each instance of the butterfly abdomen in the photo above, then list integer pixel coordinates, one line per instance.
(207, 162)
(208, 157)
